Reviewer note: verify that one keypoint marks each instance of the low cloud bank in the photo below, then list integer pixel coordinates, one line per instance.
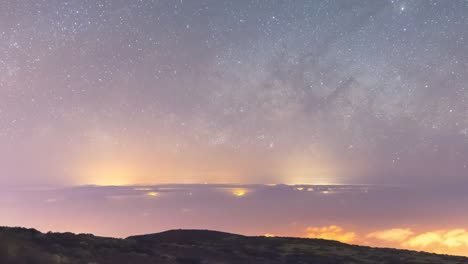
(447, 241)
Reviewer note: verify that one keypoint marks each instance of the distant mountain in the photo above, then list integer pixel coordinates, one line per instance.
(29, 246)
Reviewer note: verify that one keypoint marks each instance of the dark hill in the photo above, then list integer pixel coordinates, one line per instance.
(185, 236)
(29, 246)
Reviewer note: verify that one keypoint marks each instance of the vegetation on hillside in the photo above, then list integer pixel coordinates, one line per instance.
(29, 246)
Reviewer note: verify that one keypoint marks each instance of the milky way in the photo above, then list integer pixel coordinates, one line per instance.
(123, 92)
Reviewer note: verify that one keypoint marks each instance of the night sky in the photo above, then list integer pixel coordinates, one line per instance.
(357, 110)
(124, 92)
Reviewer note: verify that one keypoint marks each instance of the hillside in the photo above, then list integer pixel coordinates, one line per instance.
(21, 245)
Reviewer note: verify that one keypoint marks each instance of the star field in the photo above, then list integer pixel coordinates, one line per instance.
(119, 92)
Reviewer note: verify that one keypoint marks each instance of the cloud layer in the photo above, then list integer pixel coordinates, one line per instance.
(449, 241)
(332, 232)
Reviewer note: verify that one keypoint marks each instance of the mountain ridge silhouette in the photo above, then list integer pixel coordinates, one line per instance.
(194, 246)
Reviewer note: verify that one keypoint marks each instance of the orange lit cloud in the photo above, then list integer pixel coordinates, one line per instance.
(424, 240)
(392, 235)
(332, 232)
(452, 241)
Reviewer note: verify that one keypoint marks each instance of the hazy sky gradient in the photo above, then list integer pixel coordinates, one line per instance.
(124, 92)
(428, 219)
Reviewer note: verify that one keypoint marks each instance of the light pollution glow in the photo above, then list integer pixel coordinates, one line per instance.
(345, 213)
(239, 192)
(108, 167)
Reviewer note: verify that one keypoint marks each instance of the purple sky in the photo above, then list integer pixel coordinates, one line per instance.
(113, 92)
(119, 93)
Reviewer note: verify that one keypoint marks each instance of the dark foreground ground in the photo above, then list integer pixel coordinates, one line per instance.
(20, 245)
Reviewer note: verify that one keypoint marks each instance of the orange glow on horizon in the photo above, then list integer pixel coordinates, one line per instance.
(115, 174)
(153, 194)
(300, 170)
(239, 192)
(450, 241)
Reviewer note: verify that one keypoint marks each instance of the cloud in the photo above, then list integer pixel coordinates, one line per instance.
(423, 240)
(455, 238)
(332, 232)
(449, 241)
(392, 235)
